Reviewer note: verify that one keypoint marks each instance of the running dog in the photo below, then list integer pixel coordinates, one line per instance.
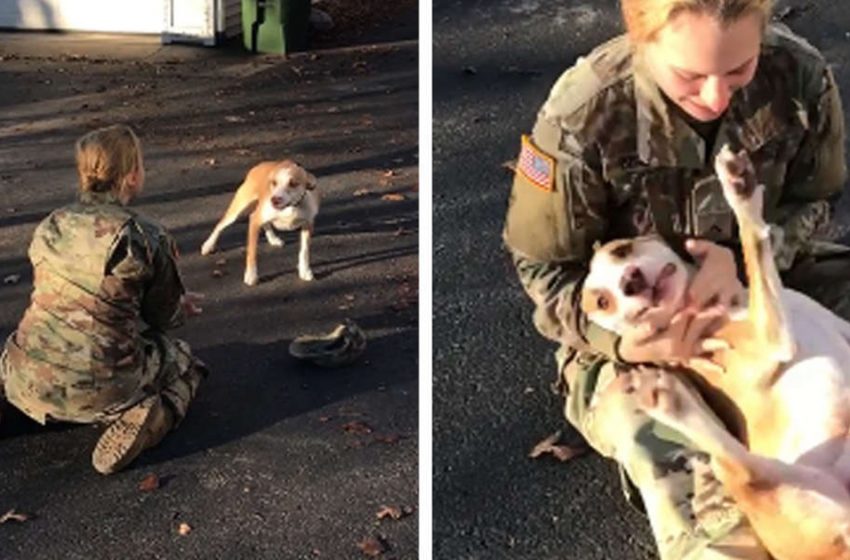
(281, 195)
(784, 368)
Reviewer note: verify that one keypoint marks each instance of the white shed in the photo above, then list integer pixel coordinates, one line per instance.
(202, 21)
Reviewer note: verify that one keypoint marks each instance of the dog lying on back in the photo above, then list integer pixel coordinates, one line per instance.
(281, 195)
(786, 371)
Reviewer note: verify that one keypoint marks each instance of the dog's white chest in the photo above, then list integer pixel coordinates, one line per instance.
(291, 217)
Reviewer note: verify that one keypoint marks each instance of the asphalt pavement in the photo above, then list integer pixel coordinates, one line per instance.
(277, 459)
(494, 63)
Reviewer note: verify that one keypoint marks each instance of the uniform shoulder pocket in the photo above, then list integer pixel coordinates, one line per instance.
(547, 218)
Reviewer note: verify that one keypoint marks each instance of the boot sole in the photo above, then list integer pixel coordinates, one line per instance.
(124, 439)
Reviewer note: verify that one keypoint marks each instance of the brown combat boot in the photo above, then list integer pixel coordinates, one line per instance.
(137, 429)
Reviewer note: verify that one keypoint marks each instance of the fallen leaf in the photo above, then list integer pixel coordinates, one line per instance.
(12, 279)
(389, 511)
(510, 165)
(184, 529)
(13, 515)
(221, 262)
(561, 452)
(395, 197)
(324, 419)
(349, 297)
(357, 427)
(373, 546)
(389, 439)
(234, 118)
(361, 192)
(216, 273)
(149, 483)
(211, 161)
(389, 173)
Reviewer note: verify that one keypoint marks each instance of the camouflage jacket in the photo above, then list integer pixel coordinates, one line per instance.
(609, 157)
(102, 275)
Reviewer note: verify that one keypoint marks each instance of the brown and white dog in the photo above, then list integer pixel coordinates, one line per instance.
(281, 195)
(786, 382)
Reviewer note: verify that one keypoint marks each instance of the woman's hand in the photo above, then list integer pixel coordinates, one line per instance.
(189, 303)
(716, 282)
(686, 339)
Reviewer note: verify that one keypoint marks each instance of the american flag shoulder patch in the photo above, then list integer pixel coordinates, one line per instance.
(535, 165)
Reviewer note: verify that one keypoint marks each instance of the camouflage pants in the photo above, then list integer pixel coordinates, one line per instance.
(169, 370)
(690, 514)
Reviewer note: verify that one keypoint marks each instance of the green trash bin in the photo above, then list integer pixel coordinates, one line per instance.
(275, 26)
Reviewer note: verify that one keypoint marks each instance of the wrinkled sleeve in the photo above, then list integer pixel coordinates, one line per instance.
(817, 174)
(550, 234)
(161, 307)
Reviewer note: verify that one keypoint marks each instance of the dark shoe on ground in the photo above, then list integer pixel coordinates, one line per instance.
(137, 429)
(340, 347)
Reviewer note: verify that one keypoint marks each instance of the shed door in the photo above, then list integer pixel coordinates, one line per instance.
(190, 20)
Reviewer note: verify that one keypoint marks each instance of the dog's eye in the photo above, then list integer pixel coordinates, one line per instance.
(602, 303)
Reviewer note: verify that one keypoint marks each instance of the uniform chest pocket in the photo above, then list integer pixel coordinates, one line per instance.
(772, 160)
(709, 214)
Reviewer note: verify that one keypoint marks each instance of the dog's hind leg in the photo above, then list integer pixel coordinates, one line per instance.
(799, 512)
(242, 202)
(304, 271)
(765, 311)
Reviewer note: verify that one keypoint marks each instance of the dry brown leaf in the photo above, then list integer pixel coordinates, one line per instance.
(372, 546)
(184, 529)
(149, 483)
(394, 197)
(389, 511)
(394, 512)
(389, 438)
(13, 515)
(510, 165)
(361, 192)
(357, 427)
(561, 452)
(390, 173)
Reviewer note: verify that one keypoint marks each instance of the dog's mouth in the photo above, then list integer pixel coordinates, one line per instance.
(658, 292)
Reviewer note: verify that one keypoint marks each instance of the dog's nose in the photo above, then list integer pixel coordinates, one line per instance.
(633, 282)
(277, 201)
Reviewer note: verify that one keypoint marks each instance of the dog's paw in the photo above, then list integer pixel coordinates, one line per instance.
(208, 247)
(305, 274)
(250, 277)
(273, 239)
(737, 176)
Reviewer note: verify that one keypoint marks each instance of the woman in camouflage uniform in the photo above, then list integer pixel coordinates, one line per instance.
(624, 146)
(91, 346)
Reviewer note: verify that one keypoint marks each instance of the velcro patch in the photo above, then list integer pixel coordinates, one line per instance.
(535, 165)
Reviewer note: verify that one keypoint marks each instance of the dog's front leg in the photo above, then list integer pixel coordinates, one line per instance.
(251, 249)
(272, 237)
(765, 310)
(304, 271)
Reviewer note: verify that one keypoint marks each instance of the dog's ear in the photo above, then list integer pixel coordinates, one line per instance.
(312, 183)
